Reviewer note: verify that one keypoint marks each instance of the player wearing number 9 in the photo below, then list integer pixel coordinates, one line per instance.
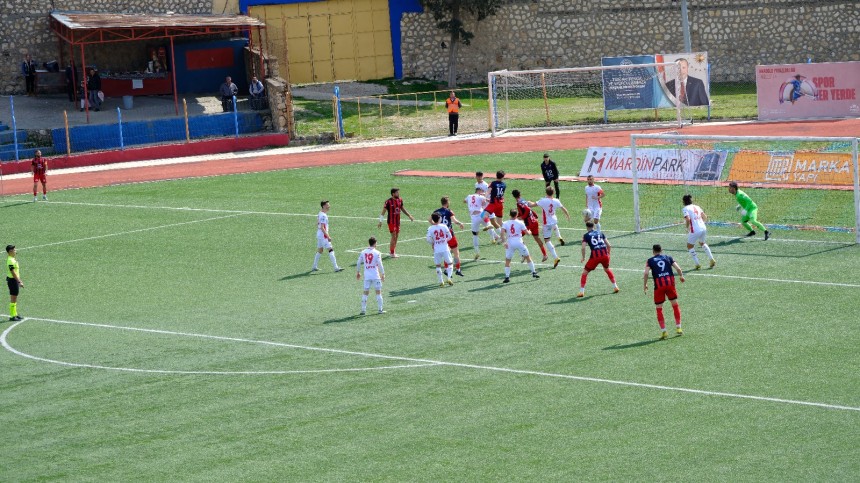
(660, 266)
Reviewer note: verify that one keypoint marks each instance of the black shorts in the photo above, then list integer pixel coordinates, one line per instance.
(13, 286)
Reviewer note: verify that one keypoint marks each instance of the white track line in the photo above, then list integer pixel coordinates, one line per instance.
(431, 362)
(130, 232)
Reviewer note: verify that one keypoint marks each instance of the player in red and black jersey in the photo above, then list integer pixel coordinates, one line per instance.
(600, 249)
(39, 166)
(393, 207)
(525, 213)
(448, 219)
(496, 208)
(660, 266)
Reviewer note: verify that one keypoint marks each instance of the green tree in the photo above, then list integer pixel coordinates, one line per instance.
(448, 16)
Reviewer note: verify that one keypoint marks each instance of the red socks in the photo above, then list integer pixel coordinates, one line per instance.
(660, 319)
(611, 275)
(677, 310)
(582, 279)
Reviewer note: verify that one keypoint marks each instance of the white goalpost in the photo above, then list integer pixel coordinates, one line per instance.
(808, 184)
(584, 96)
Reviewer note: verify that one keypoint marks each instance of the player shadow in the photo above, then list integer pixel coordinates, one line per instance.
(413, 290)
(783, 254)
(576, 299)
(632, 345)
(349, 318)
(294, 276)
(11, 205)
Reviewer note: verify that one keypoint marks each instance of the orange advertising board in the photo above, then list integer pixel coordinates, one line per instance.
(793, 167)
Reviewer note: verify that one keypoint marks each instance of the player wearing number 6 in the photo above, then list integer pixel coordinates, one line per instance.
(748, 210)
(600, 249)
(695, 219)
(438, 236)
(512, 236)
(374, 274)
(660, 266)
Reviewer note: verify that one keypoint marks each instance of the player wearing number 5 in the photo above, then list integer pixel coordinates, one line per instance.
(438, 236)
(660, 266)
(695, 219)
(600, 248)
(512, 236)
(374, 274)
(748, 210)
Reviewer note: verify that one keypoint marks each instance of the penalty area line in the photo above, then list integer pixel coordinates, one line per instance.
(431, 362)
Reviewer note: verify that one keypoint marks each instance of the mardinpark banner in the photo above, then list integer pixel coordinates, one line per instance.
(653, 163)
(652, 87)
(798, 167)
(808, 91)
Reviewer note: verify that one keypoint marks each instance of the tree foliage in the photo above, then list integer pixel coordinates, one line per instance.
(448, 16)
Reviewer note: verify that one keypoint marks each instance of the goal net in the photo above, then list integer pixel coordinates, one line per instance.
(800, 184)
(584, 96)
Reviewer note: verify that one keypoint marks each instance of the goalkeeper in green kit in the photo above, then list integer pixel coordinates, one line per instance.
(748, 210)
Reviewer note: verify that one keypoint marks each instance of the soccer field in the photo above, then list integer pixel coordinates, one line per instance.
(173, 331)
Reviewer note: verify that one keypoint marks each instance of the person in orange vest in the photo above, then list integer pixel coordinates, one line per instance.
(453, 104)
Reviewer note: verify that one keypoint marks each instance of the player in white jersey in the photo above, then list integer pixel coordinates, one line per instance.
(550, 207)
(438, 236)
(476, 203)
(695, 219)
(512, 236)
(594, 201)
(374, 274)
(324, 238)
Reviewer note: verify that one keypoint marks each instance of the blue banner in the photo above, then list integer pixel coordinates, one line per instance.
(630, 88)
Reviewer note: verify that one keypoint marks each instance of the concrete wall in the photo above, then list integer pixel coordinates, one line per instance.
(737, 34)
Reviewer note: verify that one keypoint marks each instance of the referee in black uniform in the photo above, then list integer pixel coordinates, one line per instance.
(550, 173)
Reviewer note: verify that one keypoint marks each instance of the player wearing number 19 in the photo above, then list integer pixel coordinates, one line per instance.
(512, 236)
(660, 266)
(748, 210)
(600, 249)
(438, 236)
(374, 274)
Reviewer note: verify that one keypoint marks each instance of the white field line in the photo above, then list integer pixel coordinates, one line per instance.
(311, 215)
(140, 230)
(431, 362)
(642, 270)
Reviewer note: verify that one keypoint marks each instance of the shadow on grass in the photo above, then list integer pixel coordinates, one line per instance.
(295, 276)
(576, 299)
(413, 290)
(632, 344)
(11, 205)
(349, 318)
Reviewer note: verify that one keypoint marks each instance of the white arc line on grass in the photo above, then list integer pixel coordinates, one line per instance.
(11, 349)
(139, 230)
(430, 362)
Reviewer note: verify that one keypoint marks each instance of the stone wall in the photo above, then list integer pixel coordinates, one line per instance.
(737, 34)
(26, 30)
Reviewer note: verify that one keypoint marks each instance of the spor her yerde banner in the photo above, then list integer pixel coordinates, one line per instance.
(808, 91)
(653, 163)
(653, 87)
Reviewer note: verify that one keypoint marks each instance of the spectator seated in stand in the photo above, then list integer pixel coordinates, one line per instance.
(258, 94)
(227, 91)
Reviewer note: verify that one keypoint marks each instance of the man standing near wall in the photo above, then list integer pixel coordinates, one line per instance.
(28, 70)
(453, 104)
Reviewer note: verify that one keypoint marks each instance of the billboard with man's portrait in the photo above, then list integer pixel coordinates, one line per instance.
(694, 88)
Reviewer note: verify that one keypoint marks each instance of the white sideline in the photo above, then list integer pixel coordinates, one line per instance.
(425, 362)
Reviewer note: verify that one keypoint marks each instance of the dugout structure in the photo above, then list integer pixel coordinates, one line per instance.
(799, 183)
(629, 94)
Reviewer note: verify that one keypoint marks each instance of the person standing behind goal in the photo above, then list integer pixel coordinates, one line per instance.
(453, 105)
(550, 173)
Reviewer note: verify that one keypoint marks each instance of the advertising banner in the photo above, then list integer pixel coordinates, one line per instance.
(808, 91)
(653, 163)
(695, 87)
(793, 167)
(629, 89)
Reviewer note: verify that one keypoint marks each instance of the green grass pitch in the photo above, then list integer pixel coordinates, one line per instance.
(174, 332)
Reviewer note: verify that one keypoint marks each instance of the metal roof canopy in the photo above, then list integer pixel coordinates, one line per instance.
(80, 28)
(84, 28)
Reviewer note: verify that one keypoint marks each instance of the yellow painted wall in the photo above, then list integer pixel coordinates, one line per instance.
(329, 41)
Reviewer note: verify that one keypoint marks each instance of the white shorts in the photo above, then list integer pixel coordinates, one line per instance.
(547, 230)
(323, 242)
(692, 238)
(439, 257)
(376, 284)
(515, 247)
(477, 223)
(596, 212)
